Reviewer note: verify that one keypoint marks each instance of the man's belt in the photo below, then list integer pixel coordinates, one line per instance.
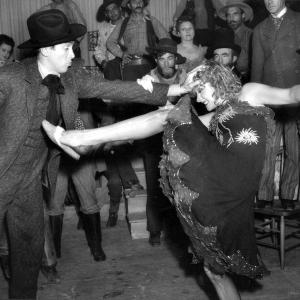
(138, 61)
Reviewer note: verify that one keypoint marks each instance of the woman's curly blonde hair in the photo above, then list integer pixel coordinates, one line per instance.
(227, 85)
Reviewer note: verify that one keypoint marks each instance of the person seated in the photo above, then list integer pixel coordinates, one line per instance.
(7, 45)
(211, 167)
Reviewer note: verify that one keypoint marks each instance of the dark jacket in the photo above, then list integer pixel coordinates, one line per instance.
(275, 61)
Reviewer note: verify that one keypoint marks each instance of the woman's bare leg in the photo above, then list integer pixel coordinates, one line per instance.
(224, 286)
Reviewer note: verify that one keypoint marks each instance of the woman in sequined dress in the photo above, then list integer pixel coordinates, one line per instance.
(212, 175)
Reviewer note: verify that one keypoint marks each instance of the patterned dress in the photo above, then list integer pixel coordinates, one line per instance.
(212, 177)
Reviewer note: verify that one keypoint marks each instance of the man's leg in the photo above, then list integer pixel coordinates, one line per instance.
(25, 220)
(4, 253)
(266, 186)
(114, 185)
(83, 176)
(290, 174)
(49, 259)
(55, 207)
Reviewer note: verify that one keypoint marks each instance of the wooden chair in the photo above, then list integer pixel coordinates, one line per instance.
(277, 224)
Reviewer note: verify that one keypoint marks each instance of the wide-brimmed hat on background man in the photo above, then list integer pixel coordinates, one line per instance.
(167, 45)
(236, 3)
(50, 27)
(224, 38)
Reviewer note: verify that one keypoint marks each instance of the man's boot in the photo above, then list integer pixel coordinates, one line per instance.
(92, 228)
(4, 261)
(56, 224)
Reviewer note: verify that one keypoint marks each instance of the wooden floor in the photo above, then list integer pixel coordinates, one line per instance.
(135, 270)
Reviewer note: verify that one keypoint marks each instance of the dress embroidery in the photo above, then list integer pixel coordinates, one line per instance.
(247, 136)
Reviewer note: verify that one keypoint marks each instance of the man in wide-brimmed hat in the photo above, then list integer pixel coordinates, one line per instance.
(47, 86)
(108, 62)
(135, 33)
(236, 13)
(159, 209)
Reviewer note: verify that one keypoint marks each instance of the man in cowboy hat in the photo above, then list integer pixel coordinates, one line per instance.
(44, 87)
(166, 57)
(275, 62)
(236, 13)
(110, 64)
(137, 32)
(225, 51)
(158, 207)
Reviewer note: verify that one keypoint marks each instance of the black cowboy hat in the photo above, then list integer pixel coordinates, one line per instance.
(102, 8)
(204, 37)
(224, 38)
(167, 45)
(50, 27)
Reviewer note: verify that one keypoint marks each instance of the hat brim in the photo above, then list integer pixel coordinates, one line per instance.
(243, 6)
(234, 47)
(179, 58)
(76, 30)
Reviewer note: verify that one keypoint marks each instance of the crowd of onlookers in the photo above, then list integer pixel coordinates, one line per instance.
(258, 40)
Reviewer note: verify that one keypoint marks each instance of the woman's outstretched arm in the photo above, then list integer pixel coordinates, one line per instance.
(132, 129)
(260, 94)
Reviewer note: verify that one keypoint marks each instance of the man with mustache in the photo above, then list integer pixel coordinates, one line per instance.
(236, 13)
(135, 33)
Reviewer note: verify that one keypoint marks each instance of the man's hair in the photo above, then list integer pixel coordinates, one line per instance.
(5, 39)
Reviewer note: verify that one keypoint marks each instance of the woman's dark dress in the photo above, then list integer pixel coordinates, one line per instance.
(212, 180)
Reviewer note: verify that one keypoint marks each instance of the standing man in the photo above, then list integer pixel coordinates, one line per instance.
(110, 64)
(137, 32)
(158, 207)
(236, 13)
(45, 87)
(276, 62)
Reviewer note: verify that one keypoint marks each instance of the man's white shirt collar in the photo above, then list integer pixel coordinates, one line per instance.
(281, 13)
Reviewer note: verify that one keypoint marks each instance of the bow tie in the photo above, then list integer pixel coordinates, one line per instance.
(54, 84)
(55, 87)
